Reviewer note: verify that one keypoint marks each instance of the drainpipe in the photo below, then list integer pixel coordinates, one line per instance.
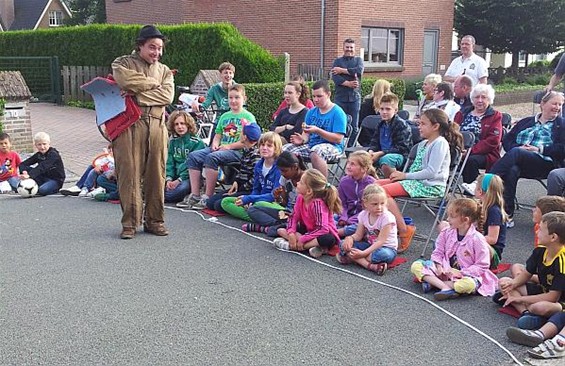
(322, 31)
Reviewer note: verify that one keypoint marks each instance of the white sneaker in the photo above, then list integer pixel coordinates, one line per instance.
(83, 192)
(469, 188)
(510, 223)
(71, 191)
(5, 187)
(200, 205)
(95, 191)
(281, 243)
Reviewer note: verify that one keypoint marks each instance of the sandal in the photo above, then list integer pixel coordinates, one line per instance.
(378, 268)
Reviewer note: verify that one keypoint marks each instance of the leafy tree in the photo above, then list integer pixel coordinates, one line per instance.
(86, 12)
(513, 26)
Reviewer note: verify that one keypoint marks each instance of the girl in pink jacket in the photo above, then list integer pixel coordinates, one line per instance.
(311, 226)
(460, 262)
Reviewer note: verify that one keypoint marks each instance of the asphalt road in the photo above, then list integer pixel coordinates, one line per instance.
(72, 293)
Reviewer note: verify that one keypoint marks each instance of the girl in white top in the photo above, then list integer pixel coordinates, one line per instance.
(375, 242)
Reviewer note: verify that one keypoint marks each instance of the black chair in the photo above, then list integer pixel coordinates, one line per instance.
(367, 130)
(506, 121)
(404, 114)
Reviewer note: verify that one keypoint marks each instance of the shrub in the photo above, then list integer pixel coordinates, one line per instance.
(191, 47)
(411, 87)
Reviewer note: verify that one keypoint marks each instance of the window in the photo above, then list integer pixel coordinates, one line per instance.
(55, 18)
(382, 45)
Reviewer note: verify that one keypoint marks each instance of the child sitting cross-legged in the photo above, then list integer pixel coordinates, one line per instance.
(268, 219)
(45, 166)
(266, 177)
(461, 259)
(374, 243)
(102, 164)
(9, 163)
(311, 226)
(537, 302)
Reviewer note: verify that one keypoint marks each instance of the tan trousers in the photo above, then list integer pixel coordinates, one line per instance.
(140, 154)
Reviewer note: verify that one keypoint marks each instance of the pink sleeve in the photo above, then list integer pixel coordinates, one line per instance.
(320, 214)
(438, 255)
(309, 104)
(279, 109)
(295, 217)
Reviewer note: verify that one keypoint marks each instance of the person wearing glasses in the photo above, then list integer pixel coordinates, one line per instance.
(486, 124)
(534, 147)
(443, 99)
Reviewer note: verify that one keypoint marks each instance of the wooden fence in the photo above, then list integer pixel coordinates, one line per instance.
(74, 76)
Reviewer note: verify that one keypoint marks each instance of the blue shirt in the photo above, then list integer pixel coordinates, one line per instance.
(386, 138)
(494, 218)
(334, 121)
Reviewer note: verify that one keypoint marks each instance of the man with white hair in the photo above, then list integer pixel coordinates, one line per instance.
(468, 64)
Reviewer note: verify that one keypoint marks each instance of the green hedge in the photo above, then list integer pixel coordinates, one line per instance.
(263, 99)
(191, 47)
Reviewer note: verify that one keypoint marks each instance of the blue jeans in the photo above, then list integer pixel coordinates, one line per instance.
(177, 194)
(519, 163)
(49, 186)
(352, 109)
(196, 160)
(84, 176)
(13, 182)
(110, 186)
(556, 182)
(383, 254)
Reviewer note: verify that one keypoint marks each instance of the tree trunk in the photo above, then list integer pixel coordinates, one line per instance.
(515, 61)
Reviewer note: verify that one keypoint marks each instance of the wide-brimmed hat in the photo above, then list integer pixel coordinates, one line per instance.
(148, 32)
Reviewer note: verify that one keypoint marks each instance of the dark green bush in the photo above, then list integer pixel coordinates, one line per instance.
(191, 47)
(264, 99)
(411, 86)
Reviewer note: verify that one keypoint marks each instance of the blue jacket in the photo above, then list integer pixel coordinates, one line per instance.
(354, 66)
(263, 186)
(556, 150)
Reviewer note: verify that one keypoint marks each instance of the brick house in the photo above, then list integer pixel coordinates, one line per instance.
(400, 38)
(32, 14)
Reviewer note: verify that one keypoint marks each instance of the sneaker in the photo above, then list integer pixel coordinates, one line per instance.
(531, 321)
(281, 243)
(426, 287)
(496, 298)
(551, 348)
(188, 201)
(469, 188)
(71, 191)
(102, 197)
(201, 205)
(83, 192)
(316, 252)
(406, 238)
(5, 187)
(510, 223)
(343, 259)
(523, 336)
(445, 295)
(95, 191)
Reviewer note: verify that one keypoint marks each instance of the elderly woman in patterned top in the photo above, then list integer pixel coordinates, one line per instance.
(486, 124)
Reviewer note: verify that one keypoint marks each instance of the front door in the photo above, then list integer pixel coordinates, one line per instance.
(431, 42)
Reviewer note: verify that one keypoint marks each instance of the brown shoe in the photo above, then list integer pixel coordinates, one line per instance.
(127, 233)
(156, 229)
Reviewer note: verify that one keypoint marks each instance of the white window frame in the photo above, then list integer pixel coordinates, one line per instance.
(55, 18)
(369, 50)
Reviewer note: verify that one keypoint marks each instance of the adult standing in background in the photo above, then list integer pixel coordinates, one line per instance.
(140, 151)
(468, 64)
(556, 77)
(346, 72)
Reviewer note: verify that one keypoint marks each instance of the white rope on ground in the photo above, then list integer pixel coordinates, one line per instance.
(216, 221)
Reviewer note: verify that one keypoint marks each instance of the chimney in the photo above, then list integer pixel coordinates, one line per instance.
(7, 13)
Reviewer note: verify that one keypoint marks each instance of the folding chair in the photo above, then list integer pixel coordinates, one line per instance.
(336, 166)
(404, 114)
(367, 130)
(436, 205)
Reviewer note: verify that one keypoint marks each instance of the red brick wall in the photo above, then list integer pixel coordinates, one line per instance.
(294, 26)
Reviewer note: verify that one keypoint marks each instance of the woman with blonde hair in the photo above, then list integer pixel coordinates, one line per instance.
(371, 103)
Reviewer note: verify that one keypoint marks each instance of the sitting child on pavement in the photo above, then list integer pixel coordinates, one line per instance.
(9, 164)
(266, 177)
(311, 226)
(374, 243)
(539, 301)
(102, 164)
(460, 262)
(45, 167)
(183, 130)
